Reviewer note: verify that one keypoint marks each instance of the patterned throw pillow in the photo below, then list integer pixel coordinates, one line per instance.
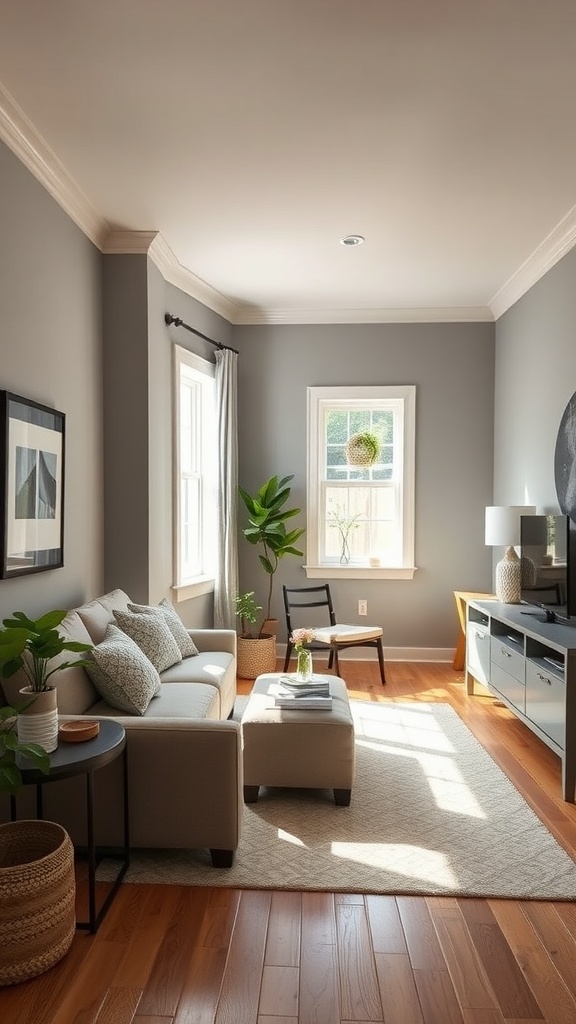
(122, 674)
(175, 625)
(152, 635)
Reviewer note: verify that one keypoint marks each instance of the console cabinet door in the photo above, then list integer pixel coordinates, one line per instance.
(478, 652)
(546, 702)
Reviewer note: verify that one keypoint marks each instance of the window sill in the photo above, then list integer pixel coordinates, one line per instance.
(194, 588)
(359, 572)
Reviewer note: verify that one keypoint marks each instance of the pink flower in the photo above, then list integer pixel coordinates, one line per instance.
(300, 637)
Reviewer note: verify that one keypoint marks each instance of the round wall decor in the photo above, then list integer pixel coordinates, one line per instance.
(565, 461)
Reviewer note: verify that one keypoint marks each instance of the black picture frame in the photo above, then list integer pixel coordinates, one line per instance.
(32, 446)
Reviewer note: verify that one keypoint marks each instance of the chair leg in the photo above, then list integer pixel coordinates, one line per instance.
(380, 650)
(336, 662)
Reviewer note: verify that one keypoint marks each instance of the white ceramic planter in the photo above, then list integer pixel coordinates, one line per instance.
(38, 723)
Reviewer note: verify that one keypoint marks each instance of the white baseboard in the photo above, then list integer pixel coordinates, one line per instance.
(433, 654)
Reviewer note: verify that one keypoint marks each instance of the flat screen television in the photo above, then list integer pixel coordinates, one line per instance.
(548, 565)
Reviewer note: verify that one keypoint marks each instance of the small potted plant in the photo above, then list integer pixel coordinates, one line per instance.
(30, 645)
(256, 650)
(362, 449)
(266, 529)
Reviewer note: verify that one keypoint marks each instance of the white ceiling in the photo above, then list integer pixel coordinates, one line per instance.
(253, 134)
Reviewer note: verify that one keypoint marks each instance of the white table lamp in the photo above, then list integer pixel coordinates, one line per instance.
(503, 530)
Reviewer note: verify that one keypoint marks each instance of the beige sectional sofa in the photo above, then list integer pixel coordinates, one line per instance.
(184, 754)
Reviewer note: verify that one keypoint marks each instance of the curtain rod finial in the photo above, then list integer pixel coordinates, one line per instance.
(169, 319)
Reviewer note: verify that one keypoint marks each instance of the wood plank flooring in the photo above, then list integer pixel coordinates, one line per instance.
(177, 955)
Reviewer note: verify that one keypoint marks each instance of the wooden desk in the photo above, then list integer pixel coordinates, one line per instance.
(462, 597)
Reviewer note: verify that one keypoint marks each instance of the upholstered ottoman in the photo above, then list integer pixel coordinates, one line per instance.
(312, 749)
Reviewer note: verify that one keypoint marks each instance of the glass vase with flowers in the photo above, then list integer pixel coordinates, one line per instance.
(300, 638)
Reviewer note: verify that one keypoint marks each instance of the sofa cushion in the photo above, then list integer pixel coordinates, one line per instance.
(178, 702)
(122, 673)
(175, 625)
(214, 668)
(151, 633)
(97, 614)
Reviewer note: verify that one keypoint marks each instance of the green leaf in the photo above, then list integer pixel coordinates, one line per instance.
(10, 779)
(50, 620)
(266, 565)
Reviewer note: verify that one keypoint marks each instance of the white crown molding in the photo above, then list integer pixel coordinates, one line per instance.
(561, 239)
(154, 245)
(128, 242)
(249, 315)
(172, 270)
(33, 151)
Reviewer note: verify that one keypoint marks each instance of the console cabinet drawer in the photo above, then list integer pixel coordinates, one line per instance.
(509, 686)
(478, 652)
(507, 658)
(546, 701)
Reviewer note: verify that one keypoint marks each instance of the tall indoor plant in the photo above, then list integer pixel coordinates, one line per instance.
(267, 516)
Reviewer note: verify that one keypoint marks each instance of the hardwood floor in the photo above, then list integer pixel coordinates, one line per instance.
(177, 955)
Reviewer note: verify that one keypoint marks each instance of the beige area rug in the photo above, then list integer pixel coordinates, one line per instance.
(431, 814)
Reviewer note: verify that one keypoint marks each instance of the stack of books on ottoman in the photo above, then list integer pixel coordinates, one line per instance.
(289, 693)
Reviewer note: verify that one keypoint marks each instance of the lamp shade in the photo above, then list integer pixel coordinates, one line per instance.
(503, 524)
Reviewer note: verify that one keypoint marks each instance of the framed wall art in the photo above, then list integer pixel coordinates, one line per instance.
(31, 486)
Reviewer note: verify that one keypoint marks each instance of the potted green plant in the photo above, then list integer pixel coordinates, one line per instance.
(256, 651)
(363, 449)
(267, 516)
(31, 645)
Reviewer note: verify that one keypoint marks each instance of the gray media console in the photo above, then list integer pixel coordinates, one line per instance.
(531, 666)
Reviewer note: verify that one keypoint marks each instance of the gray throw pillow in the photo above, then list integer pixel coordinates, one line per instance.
(152, 635)
(122, 674)
(181, 635)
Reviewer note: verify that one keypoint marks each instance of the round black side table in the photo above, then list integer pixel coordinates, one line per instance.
(70, 759)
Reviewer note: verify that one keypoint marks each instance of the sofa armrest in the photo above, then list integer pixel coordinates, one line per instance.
(185, 787)
(214, 640)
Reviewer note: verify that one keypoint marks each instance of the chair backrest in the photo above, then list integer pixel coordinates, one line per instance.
(296, 598)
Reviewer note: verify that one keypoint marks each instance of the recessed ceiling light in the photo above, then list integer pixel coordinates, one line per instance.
(352, 240)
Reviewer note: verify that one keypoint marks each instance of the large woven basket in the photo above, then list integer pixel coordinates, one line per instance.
(255, 656)
(37, 898)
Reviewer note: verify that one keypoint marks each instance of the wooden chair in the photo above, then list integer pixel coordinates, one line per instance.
(336, 635)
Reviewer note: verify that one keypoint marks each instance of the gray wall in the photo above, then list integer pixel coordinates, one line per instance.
(535, 378)
(51, 352)
(452, 366)
(138, 381)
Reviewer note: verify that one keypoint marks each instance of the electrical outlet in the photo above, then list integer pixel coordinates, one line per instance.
(362, 607)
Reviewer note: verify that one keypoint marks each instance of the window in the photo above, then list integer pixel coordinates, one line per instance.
(195, 445)
(360, 517)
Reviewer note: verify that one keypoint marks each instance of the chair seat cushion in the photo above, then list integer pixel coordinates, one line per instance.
(343, 634)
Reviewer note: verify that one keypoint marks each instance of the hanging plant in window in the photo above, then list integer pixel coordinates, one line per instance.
(362, 449)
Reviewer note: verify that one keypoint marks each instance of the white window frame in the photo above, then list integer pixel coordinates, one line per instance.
(199, 372)
(320, 399)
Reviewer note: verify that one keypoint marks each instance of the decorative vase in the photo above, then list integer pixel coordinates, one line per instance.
(37, 898)
(509, 578)
(304, 666)
(38, 723)
(344, 552)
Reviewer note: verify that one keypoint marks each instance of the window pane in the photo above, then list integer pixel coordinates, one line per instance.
(337, 427)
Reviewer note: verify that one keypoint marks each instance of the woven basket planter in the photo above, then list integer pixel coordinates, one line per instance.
(37, 898)
(256, 656)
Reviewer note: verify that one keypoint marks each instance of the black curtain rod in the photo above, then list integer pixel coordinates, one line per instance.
(170, 319)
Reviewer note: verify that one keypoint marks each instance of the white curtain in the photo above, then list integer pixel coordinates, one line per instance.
(226, 586)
